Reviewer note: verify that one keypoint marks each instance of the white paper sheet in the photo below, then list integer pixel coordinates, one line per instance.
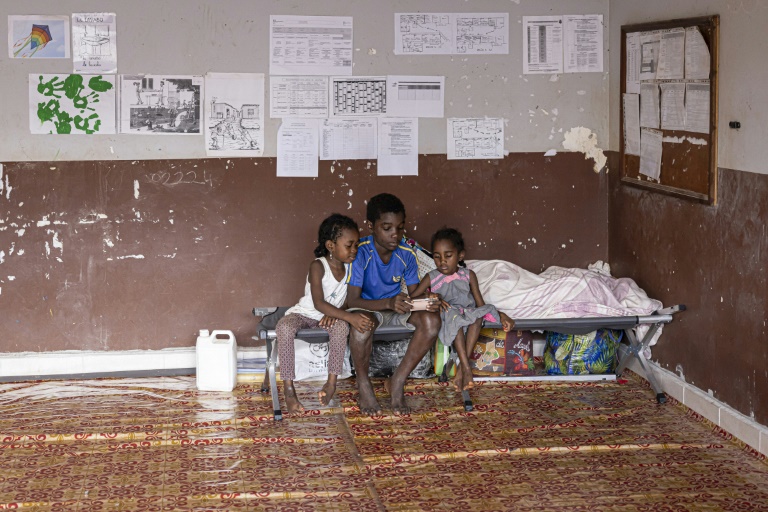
(649, 54)
(649, 105)
(38, 37)
(234, 117)
(475, 138)
(697, 59)
(697, 107)
(161, 104)
(297, 148)
(633, 59)
(415, 96)
(358, 96)
(583, 43)
(298, 96)
(671, 55)
(672, 106)
(482, 33)
(442, 33)
(650, 153)
(631, 124)
(542, 44)
(94, 42)
(90, 111)
(310, 45)
(398, 147)
(348, 139)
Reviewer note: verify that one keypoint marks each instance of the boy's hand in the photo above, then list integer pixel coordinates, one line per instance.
(327, 321)
(436, 303)
(361, 322)
(507, 323)
(399, 303)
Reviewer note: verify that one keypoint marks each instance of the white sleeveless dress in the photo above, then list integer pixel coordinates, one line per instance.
(334, 292)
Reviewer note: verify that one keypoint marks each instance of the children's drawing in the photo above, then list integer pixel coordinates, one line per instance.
(38, 37)
(71, 104)
(159, 104)
(94, 45)
(234, 118)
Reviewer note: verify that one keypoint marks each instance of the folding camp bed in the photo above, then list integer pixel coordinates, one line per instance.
(637, 347)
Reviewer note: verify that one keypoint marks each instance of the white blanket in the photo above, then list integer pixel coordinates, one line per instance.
(561, 292)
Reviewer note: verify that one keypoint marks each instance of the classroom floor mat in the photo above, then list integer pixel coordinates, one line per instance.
(158, 444)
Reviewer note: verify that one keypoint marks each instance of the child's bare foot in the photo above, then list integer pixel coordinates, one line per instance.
(397, 391)
(292, 403)
(366, 399)
(326, 394)
(467, 379)
(458, 382)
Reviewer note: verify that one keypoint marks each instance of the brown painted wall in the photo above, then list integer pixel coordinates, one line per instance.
(206, 240)
(714, 260)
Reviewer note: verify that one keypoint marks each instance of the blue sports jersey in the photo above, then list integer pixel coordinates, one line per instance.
(380, 281)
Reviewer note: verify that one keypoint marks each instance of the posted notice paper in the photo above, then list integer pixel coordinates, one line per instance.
(310, 45)
(398, 146)
(542, 44)
(631, 124)
(583, 43)
(298, 96)
(649, 105)
(348, 139)
(415, 96)
(650, 153)
(297, 148)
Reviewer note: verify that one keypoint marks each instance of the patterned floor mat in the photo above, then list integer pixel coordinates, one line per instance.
(159, 444)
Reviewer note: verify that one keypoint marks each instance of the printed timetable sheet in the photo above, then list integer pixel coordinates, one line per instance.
(310, 45)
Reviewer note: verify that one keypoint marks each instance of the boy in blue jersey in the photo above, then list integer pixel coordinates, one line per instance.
(382, 262)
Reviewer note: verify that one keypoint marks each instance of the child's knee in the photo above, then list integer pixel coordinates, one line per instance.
(340, 328)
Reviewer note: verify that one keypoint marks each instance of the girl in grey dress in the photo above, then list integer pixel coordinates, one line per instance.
(462, 306)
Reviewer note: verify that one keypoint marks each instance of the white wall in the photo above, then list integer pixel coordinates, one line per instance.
(743, 73)
(197, 36)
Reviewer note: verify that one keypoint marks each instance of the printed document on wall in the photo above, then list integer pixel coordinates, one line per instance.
(298, 96)
(697, 60)
(234, 117)
(94, 42)
(631, 124)
(650, 152)
(482, 33)
(348, 139)
(671, 55)
(74, 104)
(633, 63)
(161, 104)
(358, 96)
(542, 44)
(415, 96)
(297, 148)
(697, 107)
(583, 43)
(672, 106)
(649, 105)
(475, 138)
(310, 45)
(398, 146)
(649, 54)
(442, 33)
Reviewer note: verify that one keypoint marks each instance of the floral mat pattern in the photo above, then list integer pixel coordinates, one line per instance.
(159, 444)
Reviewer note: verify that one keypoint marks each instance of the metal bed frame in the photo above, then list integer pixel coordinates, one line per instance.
(637, 347)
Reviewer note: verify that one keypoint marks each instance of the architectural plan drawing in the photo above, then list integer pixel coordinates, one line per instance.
(475, 138)
(234, 114)
(451, 33)
(482, 33)
(358, 95)
(94, 42)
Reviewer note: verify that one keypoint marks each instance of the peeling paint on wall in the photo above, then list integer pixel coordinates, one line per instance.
(582, 140)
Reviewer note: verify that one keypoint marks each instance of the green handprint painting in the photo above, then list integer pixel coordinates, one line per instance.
(72, 104)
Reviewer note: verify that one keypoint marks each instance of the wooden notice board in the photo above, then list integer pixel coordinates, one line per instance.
(689, 143)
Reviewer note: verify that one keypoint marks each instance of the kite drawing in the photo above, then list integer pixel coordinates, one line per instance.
(38, 37)
(36, 40)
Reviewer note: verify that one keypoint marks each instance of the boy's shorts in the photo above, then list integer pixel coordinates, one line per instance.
(389, 317)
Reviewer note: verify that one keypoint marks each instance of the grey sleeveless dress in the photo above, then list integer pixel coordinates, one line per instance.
(455, 291)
